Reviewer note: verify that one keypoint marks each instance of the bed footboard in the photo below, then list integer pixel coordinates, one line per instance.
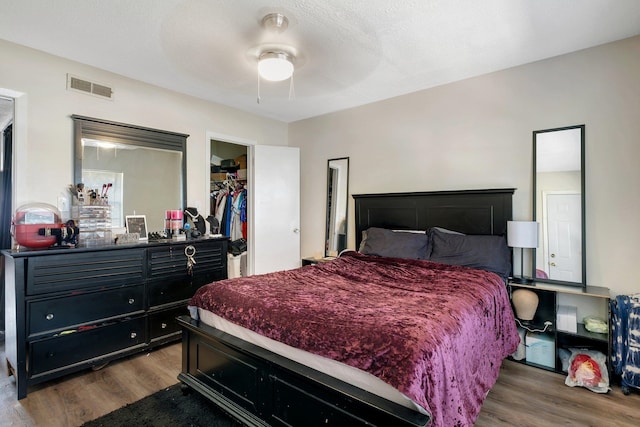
(260, 388)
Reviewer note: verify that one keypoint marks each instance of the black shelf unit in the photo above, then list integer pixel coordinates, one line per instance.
(549, 296)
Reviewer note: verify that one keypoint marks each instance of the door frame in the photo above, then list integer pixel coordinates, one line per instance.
(18, 156)
(19, 133)
(250, 144)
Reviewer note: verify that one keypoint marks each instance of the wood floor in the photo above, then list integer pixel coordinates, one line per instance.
(87, 395)
(523, 396)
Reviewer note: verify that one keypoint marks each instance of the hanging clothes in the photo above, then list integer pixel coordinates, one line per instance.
(236, 222)
(228, 212)
(229, 207)
(243, 213)
(219, 200)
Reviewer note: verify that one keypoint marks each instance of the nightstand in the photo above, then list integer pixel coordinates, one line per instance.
(554, 300)
(313, 260)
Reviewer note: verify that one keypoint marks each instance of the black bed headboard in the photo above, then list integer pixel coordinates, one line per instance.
(466, 211)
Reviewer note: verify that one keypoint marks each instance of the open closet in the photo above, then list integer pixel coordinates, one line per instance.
(272, 185)
(228, 201)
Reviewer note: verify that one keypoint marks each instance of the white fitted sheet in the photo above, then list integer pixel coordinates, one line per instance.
(341, 371)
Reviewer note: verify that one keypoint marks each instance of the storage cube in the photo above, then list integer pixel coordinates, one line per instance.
(540, 350)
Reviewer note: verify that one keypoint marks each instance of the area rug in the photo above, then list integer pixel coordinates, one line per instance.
(167, 408)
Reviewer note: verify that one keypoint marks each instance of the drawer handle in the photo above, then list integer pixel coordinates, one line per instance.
(131, 300)
(133, 335)
(164, 326)
(49, 316)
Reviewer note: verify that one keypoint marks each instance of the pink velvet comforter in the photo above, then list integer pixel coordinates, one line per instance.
(438, 333)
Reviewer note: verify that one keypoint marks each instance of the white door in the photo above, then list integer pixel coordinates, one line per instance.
(275, 208)
(564, 254)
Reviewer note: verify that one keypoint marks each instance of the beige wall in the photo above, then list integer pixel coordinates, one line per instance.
(44, 131)
(471, 134)
(477, 133)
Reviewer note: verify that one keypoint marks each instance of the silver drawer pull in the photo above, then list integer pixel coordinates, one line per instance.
(164, 326)
(131, 300)
(49, 316)
(133, 335)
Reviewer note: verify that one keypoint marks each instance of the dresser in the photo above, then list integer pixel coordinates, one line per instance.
(72, 309)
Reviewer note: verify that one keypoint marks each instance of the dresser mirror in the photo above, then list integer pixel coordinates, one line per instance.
(145, 167)
(337, 204)
(559, 205)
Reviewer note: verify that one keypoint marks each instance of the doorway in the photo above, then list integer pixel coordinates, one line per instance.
(273, 203)
(228, 201)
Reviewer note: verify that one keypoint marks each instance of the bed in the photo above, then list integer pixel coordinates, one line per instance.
(420, 367)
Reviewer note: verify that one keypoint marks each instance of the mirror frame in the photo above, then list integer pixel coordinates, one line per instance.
(327, 252)
(583, 282)
(109, 131)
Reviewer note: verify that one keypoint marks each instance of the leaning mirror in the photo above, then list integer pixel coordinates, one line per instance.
(559, 205)
(145, 167)
(337, 199)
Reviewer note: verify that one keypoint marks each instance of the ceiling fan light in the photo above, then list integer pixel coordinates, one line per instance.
(275, 66)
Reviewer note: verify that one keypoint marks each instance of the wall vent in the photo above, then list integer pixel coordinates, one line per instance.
(88, 87)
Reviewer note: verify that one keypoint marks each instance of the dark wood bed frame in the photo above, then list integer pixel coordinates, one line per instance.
(260, 388)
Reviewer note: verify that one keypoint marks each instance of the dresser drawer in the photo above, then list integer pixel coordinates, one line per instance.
(65, 350)
(170, 291)
(66, 312)
(164, 322)
(169, 280)
(100, 269)
(170, 263)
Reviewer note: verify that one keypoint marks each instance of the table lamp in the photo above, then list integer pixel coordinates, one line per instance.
(523, 235)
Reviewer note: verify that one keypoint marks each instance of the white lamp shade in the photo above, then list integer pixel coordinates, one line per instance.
(522, 234)
(275, 66)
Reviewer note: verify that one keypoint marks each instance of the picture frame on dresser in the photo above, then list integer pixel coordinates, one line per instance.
(137, 224)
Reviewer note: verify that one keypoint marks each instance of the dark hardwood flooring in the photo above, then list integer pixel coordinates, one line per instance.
(523, 396)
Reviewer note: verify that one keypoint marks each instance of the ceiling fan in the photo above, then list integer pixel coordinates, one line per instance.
(276, 61)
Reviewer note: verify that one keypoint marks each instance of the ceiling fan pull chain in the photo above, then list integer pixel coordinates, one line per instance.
(258, 99)
(292, 92)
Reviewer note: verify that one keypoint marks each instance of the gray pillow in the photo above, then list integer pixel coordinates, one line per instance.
(489, 253)
(396, 244)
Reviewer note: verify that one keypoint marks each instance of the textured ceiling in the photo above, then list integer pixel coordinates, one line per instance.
(349, 53)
